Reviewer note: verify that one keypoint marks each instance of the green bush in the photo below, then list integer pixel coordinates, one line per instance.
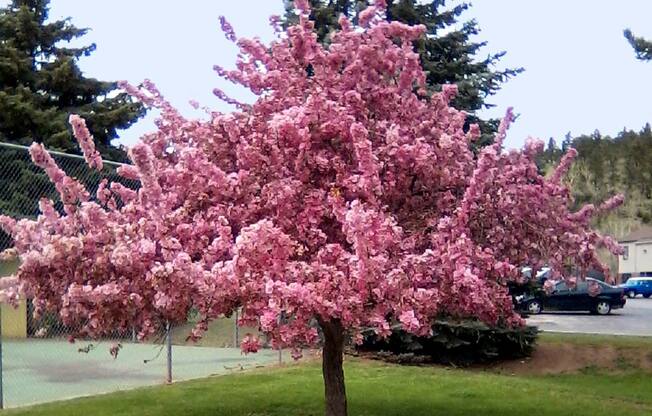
(459, 343)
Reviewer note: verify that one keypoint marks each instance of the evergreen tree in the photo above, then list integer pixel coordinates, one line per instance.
(550, 155)
(552, 145)
(448, 54)
(41, 84)
(642, 47)
(566, 143)
(608, 165)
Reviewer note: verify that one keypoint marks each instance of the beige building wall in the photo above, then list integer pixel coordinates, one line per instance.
(644, 257)
(627, 261)
(638, 258)
(14, 320)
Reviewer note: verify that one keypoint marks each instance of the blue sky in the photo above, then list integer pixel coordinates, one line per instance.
(581, 74)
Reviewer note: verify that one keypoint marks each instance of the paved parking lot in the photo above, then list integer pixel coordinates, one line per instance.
(634, 319)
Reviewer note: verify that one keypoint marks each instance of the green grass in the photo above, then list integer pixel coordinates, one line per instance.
(220, 333)
(617, 341)
(375, 389)
(7, 268)
(633, 387)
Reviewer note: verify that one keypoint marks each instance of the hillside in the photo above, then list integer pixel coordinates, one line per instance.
(606, 166)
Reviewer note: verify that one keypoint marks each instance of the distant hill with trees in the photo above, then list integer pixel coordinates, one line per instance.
(607, 165)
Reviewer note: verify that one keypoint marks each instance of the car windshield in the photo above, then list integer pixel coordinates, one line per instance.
(600, 282)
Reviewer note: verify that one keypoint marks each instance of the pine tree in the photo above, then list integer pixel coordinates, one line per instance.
(567, 142)
(41, 84)
(552, 145)
(448, 54)
(642, 47)
(607, 165)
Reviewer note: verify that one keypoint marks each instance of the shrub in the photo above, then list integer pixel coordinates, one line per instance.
(454, 343)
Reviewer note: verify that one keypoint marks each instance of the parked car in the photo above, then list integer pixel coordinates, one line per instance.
(638, 286)
(539, 277)
(563, 298)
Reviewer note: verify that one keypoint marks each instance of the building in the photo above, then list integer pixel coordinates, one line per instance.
(637, 258)
(14, 320)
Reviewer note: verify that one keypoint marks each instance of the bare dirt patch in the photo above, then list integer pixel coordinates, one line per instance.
(559, 358)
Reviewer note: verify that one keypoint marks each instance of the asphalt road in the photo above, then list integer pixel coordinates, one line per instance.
(634, 319)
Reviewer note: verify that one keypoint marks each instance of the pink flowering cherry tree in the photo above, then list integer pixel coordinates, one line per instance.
(344, 199)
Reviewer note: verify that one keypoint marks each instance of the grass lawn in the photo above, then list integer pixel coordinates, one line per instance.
(618, 341)
(220, 333)
(376, 388)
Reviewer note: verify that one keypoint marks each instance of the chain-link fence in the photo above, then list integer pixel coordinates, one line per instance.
(38, 363)
(23, 184)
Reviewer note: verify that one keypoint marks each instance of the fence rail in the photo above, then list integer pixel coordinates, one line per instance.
(38, 364)
(55, 153)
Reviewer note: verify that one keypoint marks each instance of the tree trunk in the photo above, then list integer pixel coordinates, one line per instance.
(332, 368)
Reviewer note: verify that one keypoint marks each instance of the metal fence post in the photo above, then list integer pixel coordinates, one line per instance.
(281, 319)
(236, 331)
(168, 340)
(2, 402)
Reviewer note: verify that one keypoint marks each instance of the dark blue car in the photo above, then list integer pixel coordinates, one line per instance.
(638, 286)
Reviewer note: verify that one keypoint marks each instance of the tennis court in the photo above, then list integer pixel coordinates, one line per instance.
(37, 371)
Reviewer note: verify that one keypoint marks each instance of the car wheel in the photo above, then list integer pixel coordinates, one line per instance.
(534, 307)
(603, 307)
(631, 294)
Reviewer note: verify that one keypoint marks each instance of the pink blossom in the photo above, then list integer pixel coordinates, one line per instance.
(228, 29)
(296, 353)
(612, 203)
(115, 349)
(8, 224)
(571, 283)
(302, 5)
(564, 165)
(85, 140)
(503, 127)
(268, 320)
(8, 282)
(594, 288)
(70, 190)
(275, 23)
(10, 288)
(366, 16)
(249, 344)
(448, 92)
(549, 286)
(128, 171)
(409, 321)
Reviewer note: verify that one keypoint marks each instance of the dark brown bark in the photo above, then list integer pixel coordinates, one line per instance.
(332, 368)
